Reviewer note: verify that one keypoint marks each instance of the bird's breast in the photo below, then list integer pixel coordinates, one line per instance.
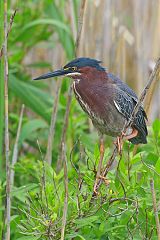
(81, 96)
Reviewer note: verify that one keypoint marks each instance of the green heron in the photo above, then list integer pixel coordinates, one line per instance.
(107, 100)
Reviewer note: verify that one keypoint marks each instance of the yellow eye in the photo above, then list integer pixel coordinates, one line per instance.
(74, 68)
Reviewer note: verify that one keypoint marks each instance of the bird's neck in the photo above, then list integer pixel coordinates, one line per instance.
(92, 77)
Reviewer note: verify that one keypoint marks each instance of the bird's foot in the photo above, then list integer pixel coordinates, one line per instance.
(119, 144)
(132, 135)
(104, 179)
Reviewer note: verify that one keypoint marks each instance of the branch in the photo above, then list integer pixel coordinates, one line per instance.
(154, 73)
(81, 15)
(155, 207)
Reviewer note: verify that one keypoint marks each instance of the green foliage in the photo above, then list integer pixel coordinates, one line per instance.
(123, 209)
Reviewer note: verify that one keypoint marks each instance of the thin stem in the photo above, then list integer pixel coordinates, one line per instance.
(15, 149)
(64, 218)
(64, 131)
(102, 150)
(48, 157)
(8, 199)
(1, 89)
(155, 207)
(8, 31)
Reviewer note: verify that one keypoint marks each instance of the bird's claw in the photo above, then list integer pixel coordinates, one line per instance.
(119, 144)
(106, 181)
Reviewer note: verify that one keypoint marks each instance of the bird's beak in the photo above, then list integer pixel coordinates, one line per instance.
(56, 73)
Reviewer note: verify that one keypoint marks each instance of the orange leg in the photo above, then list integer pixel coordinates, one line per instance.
(132, 135)
(119, 141)
(119, 144)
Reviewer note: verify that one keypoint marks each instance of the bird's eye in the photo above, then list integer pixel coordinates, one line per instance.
(74, 68)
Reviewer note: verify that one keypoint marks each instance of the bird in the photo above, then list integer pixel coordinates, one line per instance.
(108, 101)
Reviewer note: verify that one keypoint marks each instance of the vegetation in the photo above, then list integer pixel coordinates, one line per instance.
(42, 38)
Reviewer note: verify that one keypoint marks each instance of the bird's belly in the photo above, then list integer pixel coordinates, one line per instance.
(111, 125)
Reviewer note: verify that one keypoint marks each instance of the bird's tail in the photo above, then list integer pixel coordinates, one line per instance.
(138, 139)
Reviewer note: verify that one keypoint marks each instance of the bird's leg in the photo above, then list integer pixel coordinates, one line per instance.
(119, 141)
(98, 175)
(119, 144)
(132, 135)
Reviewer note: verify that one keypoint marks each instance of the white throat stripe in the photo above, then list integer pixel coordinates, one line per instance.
(73, 74)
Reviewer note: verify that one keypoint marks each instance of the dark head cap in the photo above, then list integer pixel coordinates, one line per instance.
(85, 62)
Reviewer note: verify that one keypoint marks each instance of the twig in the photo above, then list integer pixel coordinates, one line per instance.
(73, 23)
(154, 73)
(15, 149)
(60, 160)
(128, 163)
(64, 218)
(134, 213)
(80, 24)
(48, 157)
(146, 227)
(43, 177)
(8, 187)
(155, 207)
(9, 29)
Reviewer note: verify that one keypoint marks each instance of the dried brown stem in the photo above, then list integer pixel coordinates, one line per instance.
(155, 207)
(8, 31)
(73, 23)
(48, 157)
(154, 73)
(80, 24)
(60, 160)
(15, 149)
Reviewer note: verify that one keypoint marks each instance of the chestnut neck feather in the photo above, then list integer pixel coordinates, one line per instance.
(92, 75)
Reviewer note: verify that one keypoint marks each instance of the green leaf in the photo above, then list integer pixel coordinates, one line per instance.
(157, 166)
(46, 21)
(21, 192)
(40, 65)
(75, 235)
(37, 100)
(86, 221)
(30, 127)
(156, 126)
(28, 238)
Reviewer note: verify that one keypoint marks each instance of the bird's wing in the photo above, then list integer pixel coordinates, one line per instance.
(125, 105)
(125, 88)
